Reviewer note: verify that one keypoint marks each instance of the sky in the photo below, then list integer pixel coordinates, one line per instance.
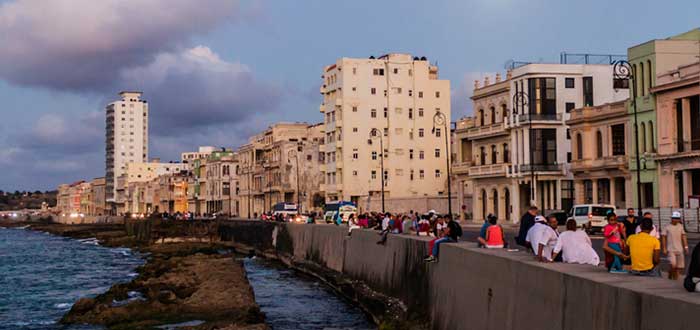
(217, 71)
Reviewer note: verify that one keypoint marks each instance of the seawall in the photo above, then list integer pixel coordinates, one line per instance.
(472, 288)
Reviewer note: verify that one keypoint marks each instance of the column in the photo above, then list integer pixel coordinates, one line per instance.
(613, 200)
(460, 195)
(687, 129)
(501, 202)
(687, 187)
(557, 195)
(515, 201)
(595, 190)
(578, 192)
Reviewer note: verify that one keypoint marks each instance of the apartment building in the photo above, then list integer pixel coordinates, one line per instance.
(677, 94)
(600, 164)
(201, 153)
(126, 135)
(399, 96)
(267, 167)
(650, 60)
(217, 187)
(147, 171)
(173, 190)
(461, 163)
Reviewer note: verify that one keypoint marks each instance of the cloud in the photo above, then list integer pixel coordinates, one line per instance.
(462, 93)
(195, 88)
(82, 45)
(56, 134)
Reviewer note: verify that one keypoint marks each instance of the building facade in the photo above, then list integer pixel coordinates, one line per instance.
(649, 60)
(127, 137)
(217, 184)
(600, 163)
(461, 163)
(399, 96)
(677, 94)
(201, 153)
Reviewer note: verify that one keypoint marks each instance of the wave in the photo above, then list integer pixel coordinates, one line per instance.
(91, 241)
(63, 305)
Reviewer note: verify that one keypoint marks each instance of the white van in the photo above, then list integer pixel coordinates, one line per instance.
(591, 217)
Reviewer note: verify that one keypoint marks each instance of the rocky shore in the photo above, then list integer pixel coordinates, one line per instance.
(191, 285)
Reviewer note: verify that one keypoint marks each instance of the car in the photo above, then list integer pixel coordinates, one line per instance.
(561, 216)
(591, 217)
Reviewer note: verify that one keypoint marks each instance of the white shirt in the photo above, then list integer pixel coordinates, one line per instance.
(542, 234)
(385, 223)
(440, 226)
(653, 233)
(575, 247)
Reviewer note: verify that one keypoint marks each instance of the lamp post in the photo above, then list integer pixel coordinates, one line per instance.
(293, 154)
(622, 70)
(439, 119)
(520, 101)
(373, 133)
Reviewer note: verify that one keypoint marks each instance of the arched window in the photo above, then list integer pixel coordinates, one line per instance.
(493, 115)
(483, 203)
(641, 80)
(649, 74)
(635, 78)
(495, 203)
(599, 144)
(506, 153)
(579, 147)
(493, 154)
(504, 111)
(643, 138)
(652, 147)
(482, 155)
(481, 117)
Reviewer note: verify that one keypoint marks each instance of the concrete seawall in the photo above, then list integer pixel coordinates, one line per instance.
(473, 288)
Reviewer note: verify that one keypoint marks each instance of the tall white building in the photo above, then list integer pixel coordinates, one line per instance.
(127, 137)
(399, 96)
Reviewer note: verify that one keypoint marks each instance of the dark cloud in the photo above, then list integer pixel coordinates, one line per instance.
(58, 134)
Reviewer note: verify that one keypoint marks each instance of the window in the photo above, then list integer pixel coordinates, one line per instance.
(618, 139)
(542, 96)
(410, 92)
(568, 134)
(420, 95)
(354, 89)
(421, 155)
(579, 147)
(396, 71)
(568, 157)
(437, 94)
(420, 112)
(651, 148)
(373, 113)
(493, 115)
(570, 106)
(410, 113)
(506, 153)
(410, 153)
(374, 155)
(421, 174)
(587, 91)
(378, 72)
(354, 71)
(493, 154)
(437, 173)
(482, 156)
(437, 132)
(386, 175)
(386, 113)
(643, 138)
(599, 144)
(354, 109)
(437, 153)
(373, 91)
(386, 131)
(374, 174)
(354, 129)
(354, 173)
(410, 174)
(355, 154)
(569, 82)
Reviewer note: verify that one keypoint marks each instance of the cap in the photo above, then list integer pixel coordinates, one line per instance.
(540, 218)
(675, 215)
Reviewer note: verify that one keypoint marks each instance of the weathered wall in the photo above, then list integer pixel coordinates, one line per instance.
(89, 219)
(474, 288)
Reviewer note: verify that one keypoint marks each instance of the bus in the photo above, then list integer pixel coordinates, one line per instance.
(343, 209)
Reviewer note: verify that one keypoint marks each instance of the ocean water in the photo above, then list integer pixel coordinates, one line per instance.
(42, 275)
(292, 301)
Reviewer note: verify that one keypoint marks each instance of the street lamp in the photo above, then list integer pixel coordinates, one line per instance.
(373, 133)
(439, 119)
(293, 154)
(520, 101)
(622, 70)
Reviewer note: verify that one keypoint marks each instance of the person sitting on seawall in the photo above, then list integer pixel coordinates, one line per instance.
(494, 238)
(575, 246)
(352, 224)
(482, 231)
(692, 277)
(614, 245)
(423, 227)
(544, 246)
(526, 223)
(439, 232)
(654, 232)
(452, 233)
(645, 250)
(534, 233)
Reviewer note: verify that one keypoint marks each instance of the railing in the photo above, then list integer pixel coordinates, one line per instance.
(540, 167)
(539, 117)
(608, 161)
(493, 169)
(486, 129)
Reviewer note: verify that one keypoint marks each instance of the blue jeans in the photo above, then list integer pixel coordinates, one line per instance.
(436, 247)
(617, 263)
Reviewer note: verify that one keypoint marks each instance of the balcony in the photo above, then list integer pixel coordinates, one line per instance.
(486, 131)
(539, 117)
(488, 170)
(461, 168)
(609, 162)
(541, 168)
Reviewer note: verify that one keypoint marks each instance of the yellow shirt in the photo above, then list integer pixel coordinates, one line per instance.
(642, 248)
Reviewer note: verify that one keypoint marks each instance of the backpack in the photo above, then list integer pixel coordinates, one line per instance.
(689, 284)
(455, 229)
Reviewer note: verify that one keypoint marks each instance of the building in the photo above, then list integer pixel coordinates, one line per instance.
(461, 163)
(147, 171)
(267, 173)
(173, 191)
(201, 153)
(96, 205)
(649, 60)
(538, 129)
(127, 137)
(399, 96)
(217, 186)
(600, 163)
(677, 94)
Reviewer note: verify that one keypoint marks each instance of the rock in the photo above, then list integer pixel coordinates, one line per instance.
(167, 297)
(83, 305)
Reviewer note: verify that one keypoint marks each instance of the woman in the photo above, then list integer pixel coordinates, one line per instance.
(352, 224)
(495, 238)
(575, 246)
(692, 279)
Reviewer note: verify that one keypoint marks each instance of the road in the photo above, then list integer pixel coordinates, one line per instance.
(471, 232)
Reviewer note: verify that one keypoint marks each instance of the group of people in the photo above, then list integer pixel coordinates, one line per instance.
(633, 245)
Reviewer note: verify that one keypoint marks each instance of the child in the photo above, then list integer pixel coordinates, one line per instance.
(613, 244)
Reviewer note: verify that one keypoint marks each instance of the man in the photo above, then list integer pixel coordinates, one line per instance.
(534, 233)
(644, 250)
(484, 227)
(526, 222)
(654, 232)
(674, 244)
(451, 233)
(544, 246)
(630, 223)
(575, 246)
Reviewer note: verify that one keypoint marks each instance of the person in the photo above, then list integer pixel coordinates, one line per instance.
(654, 232)
(352, 224)
(644, 250)
(613, 245)
(674, 244)
(439, 226)
(575, 246)
(424, 227)
(544, 245)
(630, 223)
(451, 233)
(397, 224)
(533, 234)
(484, 227)
(494, 237)
(526, 222)
(407, 225)
(692, 276)
(387, 225)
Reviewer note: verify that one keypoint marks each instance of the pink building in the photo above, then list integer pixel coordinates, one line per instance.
(678, 118)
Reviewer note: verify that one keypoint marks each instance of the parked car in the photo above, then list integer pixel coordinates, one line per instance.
(591, 217)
